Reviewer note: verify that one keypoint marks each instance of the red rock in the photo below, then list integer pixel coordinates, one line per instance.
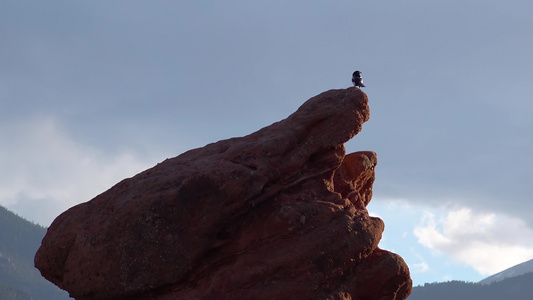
(355, 176)
(277, 214)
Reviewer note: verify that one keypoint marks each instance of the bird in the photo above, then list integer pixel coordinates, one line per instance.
(357, 79)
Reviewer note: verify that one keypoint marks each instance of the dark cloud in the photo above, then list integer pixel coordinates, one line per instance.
(448, 82)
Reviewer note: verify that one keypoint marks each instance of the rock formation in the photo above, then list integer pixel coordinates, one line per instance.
(277, 214)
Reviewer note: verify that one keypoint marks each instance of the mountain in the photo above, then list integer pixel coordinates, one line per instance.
(19, 279)
(9, 293)
(520, 269)
(513, 288)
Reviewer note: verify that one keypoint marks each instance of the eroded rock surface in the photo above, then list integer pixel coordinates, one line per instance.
(277, 214)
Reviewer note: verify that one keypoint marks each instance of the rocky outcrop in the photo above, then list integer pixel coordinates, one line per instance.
(277, 214)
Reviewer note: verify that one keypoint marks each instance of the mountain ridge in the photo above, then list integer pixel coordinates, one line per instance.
(513, 288)
(512, 284)
(19, 279)
(517, 270)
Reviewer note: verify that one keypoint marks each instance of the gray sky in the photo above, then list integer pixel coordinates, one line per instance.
(95, 91)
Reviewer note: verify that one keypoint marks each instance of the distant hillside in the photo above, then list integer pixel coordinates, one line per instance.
(9, 293)
(520, 269)
(514, 288)
(19, 279)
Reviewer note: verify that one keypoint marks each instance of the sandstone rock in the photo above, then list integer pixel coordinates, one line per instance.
(277, 214)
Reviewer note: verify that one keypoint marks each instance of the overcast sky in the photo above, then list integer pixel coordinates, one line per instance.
(95, 91)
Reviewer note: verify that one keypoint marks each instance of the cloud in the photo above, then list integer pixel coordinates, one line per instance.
(46, 171)
(420, 267)
(488, 242)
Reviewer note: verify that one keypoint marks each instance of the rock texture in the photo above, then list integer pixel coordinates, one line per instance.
(277, 214)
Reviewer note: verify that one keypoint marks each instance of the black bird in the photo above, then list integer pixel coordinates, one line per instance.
(357, 79)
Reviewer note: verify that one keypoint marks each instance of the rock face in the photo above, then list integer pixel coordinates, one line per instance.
(277, 214)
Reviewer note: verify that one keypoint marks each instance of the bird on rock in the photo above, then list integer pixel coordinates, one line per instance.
(357, 79)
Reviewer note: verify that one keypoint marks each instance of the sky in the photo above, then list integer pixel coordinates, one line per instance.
(92, 92)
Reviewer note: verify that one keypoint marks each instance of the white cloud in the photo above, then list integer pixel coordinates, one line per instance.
(374, 214)
(486, 241)
(420, 267)
(44, 171)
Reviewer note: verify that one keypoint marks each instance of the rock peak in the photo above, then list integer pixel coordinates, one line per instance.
(276, 214)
